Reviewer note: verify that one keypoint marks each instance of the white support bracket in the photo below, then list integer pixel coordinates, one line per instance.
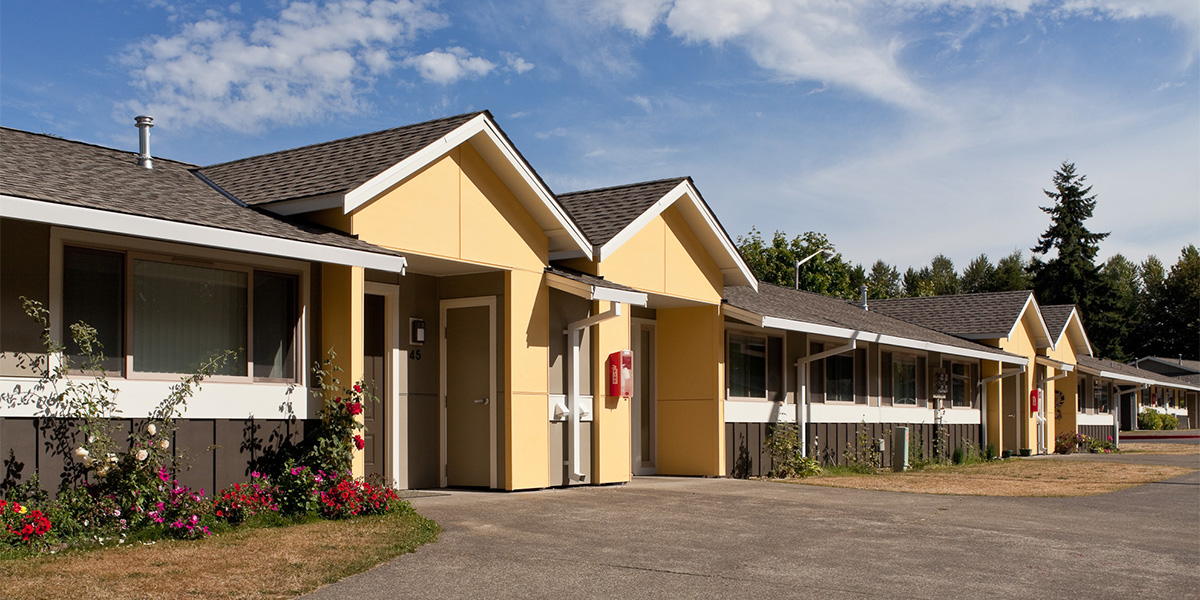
(574, 333)
(802, 406)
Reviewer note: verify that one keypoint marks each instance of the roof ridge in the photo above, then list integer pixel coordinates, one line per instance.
(133, 153)
(971, 294)
(345, 139)
(626, 185)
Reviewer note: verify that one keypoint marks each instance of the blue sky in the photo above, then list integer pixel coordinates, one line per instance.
(899, 128)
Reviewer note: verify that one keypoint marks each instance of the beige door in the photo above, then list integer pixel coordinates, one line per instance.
(468, 405)
(375, 376)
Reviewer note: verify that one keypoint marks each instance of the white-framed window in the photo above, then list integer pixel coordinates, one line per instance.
(960, 385)
(904, 379)
(161, 314)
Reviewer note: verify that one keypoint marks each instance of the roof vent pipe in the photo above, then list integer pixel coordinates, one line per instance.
(862, 289)
(144, 124)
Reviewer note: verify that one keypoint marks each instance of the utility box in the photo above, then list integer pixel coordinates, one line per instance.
(900, 449)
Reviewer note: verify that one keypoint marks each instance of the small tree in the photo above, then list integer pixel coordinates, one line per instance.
(978, 275)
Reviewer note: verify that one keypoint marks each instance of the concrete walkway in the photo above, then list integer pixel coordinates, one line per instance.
(723, 538)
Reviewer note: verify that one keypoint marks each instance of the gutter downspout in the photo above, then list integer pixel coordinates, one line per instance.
(802, 405)
(574, 333)
(984, 395)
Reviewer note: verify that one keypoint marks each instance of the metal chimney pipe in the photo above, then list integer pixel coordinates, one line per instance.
(862, 289)
(144, 124)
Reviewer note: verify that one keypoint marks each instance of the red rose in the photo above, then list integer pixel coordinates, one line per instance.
(354, 408)
(357, 389)
(359, 442)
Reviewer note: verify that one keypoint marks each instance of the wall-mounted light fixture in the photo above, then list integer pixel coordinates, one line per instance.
(416, 329)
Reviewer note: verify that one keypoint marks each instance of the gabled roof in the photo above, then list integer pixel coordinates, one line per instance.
(971, 316)
(1064, 319)
(350, 172)
(1122, 372)
(611, 216)
(1176, 364)
(62, 182)
(797, 310)
(334, 167)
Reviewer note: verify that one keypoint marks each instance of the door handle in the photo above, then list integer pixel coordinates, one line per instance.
(483, 400)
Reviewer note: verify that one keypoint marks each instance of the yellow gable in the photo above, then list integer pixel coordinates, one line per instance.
(455, 208)
(666, 257)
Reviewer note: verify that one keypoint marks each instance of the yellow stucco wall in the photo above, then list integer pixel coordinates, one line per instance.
(342, 327)
(1022, 342)
(526, 380)
(610, 416)
(691, 419)
(455, 208)
(666, 257)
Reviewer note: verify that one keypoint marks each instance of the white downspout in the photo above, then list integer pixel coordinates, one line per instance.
(984, 395)
(802, 410)
(574, 333)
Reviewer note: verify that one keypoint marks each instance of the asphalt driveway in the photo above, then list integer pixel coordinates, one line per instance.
(723, 538)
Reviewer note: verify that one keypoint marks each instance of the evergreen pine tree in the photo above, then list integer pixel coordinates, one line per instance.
(1071, 275)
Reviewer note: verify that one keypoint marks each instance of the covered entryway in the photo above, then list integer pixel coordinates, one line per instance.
(468, 390)
(643, 401)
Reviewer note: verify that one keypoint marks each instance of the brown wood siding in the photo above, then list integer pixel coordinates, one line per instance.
(1098, 431)
(44, 446)
(745, 450)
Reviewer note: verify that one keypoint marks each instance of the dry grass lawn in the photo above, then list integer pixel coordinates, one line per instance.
(1017, 477)
(1159, 448)
(249, 563)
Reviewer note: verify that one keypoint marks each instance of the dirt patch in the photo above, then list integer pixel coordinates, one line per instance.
(1160, 448)
(1039, 478)
(255, 563)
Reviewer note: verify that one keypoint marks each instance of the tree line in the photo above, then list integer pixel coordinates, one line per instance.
(1129, 309)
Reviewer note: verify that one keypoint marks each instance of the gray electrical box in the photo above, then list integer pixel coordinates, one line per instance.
(900, 449)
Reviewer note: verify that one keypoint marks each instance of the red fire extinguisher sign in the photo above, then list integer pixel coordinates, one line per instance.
(620, 374)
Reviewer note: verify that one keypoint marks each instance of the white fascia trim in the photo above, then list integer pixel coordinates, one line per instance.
(305, 205)
(1135, 379)
(1037, 312)
(1053, 363)
(425, 156)
(615, 295)
(641, 221)
(889, 340)
(111, 222)
(595, 292)
(1082, 332)
(684, 189)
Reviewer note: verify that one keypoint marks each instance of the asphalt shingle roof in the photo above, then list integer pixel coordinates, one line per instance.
(602, 213)
(332, 167)
(969, 315)
(1102, 364)
(798, 305)
(1179, 363)
(1056, 318)
(588, 279)
(46, 168)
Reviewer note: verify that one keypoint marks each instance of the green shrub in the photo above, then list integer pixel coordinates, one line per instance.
(957, 456)
(991, 451)
(1170, 422)
(783, 444)
(1150, 419)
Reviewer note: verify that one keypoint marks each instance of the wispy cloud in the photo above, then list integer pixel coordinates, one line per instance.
(310, 61)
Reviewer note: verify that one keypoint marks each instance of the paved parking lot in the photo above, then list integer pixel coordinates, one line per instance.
(723, 538)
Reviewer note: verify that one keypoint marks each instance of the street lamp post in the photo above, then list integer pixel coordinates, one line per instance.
(826, 252)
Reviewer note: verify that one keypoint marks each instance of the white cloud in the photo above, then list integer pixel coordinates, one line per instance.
(450, 65)
(516, 63)
(853, 44)
(311, 61)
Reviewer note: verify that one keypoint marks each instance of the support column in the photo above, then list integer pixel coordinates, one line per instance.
(342, 291)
